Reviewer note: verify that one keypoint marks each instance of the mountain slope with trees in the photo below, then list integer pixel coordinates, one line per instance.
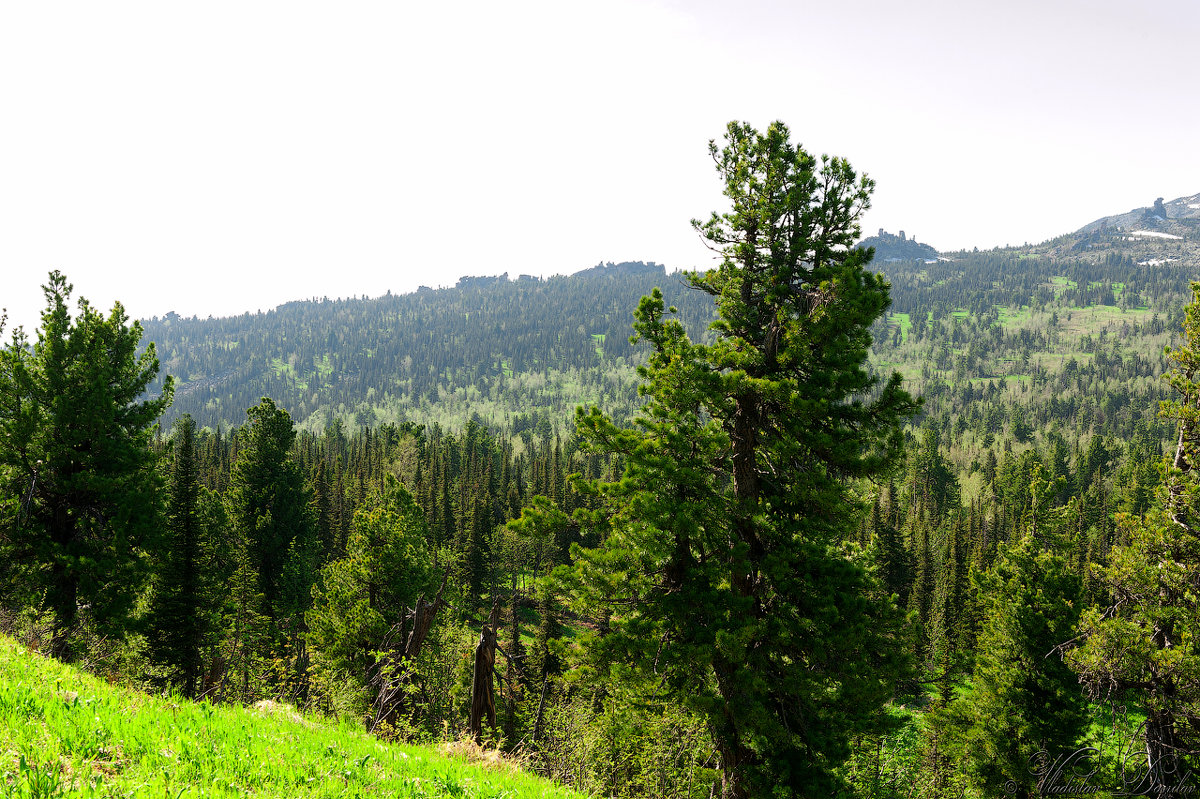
(491, 347)
(1001, 340)
(764, 568)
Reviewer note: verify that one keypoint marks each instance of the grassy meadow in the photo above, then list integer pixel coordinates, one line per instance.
(65, 733)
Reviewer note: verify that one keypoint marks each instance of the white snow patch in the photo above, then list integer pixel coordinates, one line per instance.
(1154, 234)
(1156, 261)
(1194, 205)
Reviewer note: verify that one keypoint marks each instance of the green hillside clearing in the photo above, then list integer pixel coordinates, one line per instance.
(65, 733)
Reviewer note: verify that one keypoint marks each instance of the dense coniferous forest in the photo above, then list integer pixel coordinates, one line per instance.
(769, 569)
(490, 347)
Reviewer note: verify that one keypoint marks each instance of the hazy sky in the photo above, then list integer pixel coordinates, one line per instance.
(219, 157)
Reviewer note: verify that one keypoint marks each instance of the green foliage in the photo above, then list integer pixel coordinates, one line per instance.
(627, 750)
(724, 572)
(269, 507)
(933, 489)
(544, 660)
(75, 428)
(246, 631)
(362, 596)
(1144, 646)
(1022, 698)
(888, 764)
(182, 621)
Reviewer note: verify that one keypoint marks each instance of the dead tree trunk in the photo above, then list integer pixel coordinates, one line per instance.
(537, 722)
(392, 672)
(483, 696)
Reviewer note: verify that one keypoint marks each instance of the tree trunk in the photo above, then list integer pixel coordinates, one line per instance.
(746, 490)
(537, 721)
(735, 756)
(1162, 759)
(483, 696)
(63, 596)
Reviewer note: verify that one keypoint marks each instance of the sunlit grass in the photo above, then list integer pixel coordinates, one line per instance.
(905, 322)
(63, 733)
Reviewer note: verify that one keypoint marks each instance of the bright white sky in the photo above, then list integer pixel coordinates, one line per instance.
(219, 157)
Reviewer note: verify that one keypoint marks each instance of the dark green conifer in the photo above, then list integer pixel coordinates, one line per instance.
(181, 623)
(269, 504)
(75, 433)
(542, 656)
(1022, 697)
(723, 571)
(322, 513)
(246, 638)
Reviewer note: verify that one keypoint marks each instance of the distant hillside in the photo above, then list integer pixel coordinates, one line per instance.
(890, 248)
(1162, 232)
(500, 350)
(1183, 212)
(489, 347)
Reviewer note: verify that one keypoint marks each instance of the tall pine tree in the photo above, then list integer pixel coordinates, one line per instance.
(75, 428)
(1022, 697)
(181, 621)
(724, 571)
(269, 503)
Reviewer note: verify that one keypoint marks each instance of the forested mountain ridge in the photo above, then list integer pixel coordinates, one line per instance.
(1016, 323)
(491, 347)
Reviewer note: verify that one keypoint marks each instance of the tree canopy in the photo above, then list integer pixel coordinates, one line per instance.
(1143, 645)
(75, 429)
(724, 572)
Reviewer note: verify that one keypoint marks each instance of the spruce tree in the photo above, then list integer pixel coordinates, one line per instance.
(268, 501)
(322, 513)
(180, 623)
(545, 661)
(477, 554)
(246, 628)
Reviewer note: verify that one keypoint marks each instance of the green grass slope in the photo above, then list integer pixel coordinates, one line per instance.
(65, 733)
